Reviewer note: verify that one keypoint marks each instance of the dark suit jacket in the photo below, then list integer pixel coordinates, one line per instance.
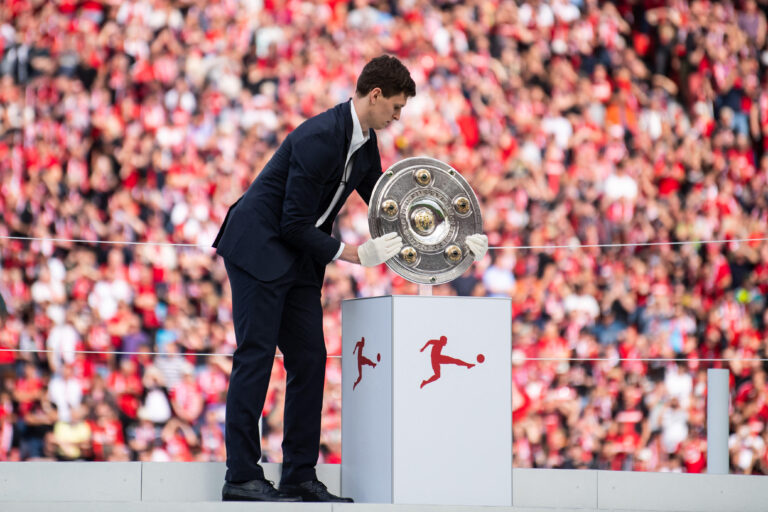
(274, 221)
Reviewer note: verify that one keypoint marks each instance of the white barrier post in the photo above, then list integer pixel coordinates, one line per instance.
(717, 421)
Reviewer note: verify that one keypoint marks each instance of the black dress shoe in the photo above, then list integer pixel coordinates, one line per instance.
(254, 490)
(312, 490)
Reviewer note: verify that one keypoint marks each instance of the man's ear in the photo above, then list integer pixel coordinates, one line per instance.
(374, 95)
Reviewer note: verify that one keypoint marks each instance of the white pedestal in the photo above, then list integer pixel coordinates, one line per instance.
(410, 435)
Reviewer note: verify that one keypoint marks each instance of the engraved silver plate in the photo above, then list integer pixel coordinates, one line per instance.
(433, 208)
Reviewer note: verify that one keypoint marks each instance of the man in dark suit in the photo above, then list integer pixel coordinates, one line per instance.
(276, 243)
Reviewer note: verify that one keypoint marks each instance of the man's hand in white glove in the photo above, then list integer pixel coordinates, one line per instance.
(478, 245)
(378, 250)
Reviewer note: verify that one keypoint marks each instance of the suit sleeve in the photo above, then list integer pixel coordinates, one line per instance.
(311, 160)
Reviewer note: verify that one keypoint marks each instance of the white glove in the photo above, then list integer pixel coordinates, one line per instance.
(478, 245)
(378, 250)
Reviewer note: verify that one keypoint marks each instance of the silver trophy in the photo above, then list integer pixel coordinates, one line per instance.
(433, 208)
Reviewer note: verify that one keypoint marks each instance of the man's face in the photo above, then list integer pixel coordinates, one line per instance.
(385, 110)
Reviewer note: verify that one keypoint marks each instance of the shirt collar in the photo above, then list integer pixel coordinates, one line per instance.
(358, 138)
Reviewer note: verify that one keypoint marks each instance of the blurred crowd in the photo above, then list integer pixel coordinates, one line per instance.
(576, 122)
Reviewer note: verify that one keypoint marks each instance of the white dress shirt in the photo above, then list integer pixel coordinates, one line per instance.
(358, 139)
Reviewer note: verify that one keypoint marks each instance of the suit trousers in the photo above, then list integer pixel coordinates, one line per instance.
(285, 313)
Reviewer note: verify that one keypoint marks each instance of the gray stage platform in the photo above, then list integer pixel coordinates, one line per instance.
(196, 487)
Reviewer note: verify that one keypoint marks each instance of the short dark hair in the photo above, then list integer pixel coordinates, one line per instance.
(388, 74)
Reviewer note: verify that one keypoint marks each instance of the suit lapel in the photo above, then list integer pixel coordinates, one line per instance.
(343, 120)
(361, 161)
(343, 128)
(346, 118)
(358, 166)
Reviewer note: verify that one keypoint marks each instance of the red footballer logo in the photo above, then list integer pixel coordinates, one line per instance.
(361, 360)
(438, 359)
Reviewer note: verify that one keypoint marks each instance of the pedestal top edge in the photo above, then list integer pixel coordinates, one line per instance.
(422, 297)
